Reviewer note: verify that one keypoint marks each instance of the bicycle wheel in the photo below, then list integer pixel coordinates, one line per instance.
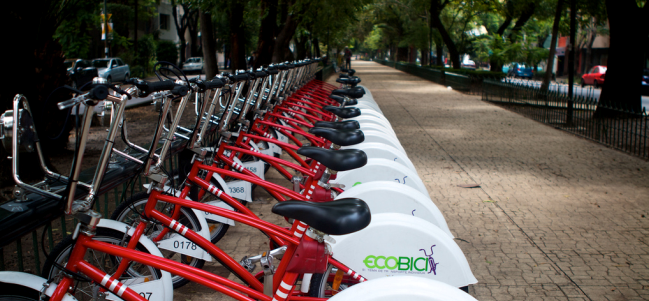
(130, 211)
(321, 285)
(105, 262)
(15, 292)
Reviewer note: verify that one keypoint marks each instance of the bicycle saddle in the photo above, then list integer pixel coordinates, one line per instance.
(349, 71)
(343, 112)
(341, 125)
(353, 93)
(342, 137)
(352, 80)
(337, 217)
(338, 160)
(340, 99)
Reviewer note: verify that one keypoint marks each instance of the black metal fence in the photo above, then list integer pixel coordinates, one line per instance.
(25, 254)
(628, 132)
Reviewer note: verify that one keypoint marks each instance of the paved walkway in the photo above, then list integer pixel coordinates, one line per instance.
(557, 217)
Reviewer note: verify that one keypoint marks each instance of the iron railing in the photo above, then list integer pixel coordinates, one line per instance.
(626, 132)
(25, 254)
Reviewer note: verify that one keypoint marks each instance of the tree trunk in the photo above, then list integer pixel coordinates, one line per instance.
(316, 45)
(237, 37)
(284, 38)
(300, 48)
(553, 47)
(435, 10)
(193, 33)
(622, 88)
(267, 33)
(402, 54)
(210, 65)
(425, 56)
(525, 16)
(181, 27)
(439, 50)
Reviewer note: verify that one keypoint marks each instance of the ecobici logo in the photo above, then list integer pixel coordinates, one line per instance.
(401, 264)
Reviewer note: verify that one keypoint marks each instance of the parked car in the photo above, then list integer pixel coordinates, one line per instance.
(80, 71)
(519, 70)
(112, 69)
(193, 64)
(594, 77)
(468, 64)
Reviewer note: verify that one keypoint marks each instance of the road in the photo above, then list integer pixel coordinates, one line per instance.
(588, 91)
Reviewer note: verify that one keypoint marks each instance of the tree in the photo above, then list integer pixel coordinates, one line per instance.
(237, 36)
(436, 7)
(629, 40)
(553, 47)
(210, 65)
(190, 12)
(267, 32)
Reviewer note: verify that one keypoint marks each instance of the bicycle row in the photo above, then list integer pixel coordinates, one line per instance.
(357, 210)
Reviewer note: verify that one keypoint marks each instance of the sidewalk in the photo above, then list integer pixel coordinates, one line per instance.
(556, 217)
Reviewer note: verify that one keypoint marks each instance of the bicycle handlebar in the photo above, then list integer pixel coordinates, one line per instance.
(96, 93)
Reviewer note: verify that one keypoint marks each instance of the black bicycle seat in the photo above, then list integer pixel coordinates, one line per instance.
(353, 93)
(340, 99)
(341, 125)
(337, 217)
(338, 160)
(343, 112)
(342, 137)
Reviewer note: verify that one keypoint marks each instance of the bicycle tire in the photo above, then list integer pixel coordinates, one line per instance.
(125, 213)
(61, 252)
(17, 292)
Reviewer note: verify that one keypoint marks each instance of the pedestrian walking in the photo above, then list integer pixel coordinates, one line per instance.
(348, 58)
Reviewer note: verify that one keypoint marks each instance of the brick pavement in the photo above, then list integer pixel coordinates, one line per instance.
(556, 217)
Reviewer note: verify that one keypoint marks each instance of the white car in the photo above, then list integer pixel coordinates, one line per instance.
(193, 64)
(468, 64)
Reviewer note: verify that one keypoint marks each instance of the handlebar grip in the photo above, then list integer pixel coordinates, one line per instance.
(159, 86)
(272, 71)
(214, 83)
(282, 67)
(239, 77)
(68, 103)
(98, 93)
(180, 90)
(260, 74)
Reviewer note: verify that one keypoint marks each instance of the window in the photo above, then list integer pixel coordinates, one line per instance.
(119, 62)
(164, 21)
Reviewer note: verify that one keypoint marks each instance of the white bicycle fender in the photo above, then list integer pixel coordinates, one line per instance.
(402, 288)
(368, 112)
(378, 169)
(380, 137)
(31, 281)
(161, 289)
(368, 106)
(376, 127)
(372, 119)
(400, 245)
(384, 151)
(392, 197)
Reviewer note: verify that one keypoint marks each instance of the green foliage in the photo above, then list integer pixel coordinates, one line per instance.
(145, 58)
(166, 51)
(74, 33)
